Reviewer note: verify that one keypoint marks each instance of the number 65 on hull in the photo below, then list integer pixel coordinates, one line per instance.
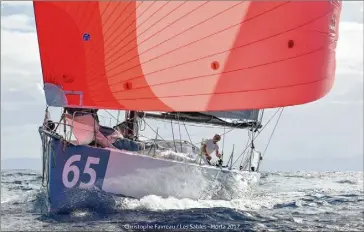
(72, 168)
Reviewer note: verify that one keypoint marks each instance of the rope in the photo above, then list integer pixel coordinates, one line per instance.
(157, 134)
(254, 137)
(117, 119)
(141, 123)
(275, 126)
(188, 134)
(123, 125)
(223, 139)
(247, 144)
(174, 142)
(180, 136)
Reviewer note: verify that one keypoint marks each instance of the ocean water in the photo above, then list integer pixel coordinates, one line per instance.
(299, 201)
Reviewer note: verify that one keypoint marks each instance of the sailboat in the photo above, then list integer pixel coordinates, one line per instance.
(219, 63)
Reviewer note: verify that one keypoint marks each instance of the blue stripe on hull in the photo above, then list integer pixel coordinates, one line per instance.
(75, 171)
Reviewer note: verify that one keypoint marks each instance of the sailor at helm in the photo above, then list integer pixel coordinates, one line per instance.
(210, 145)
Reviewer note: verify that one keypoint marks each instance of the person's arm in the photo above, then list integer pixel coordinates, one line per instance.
(217, 151)
(103, 141)
(204, 149)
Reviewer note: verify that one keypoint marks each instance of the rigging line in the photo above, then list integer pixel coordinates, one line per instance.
(223, 139)
(174, 142)
(117, 120)
(232, 128)
(206, 37)
(141, 123)
(123, 125)
(254, 137)
(224, 129)
(179, 128)
(111, 115)
(259, 132)
(157, 134)
(188, 134)
(246, 145)
(275, 126)
(261, 116)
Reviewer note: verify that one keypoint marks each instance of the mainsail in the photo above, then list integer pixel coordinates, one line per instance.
(196, 56)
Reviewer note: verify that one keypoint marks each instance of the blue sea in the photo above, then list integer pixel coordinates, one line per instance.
(299, 201)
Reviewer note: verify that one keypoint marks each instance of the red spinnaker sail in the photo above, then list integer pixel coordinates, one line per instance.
(187, 55)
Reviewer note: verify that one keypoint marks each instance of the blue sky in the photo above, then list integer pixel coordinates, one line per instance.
(323, 135)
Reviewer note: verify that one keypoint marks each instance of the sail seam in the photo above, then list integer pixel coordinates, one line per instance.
(94, 72)
(176, 49)
(231, 71)
(141, 76)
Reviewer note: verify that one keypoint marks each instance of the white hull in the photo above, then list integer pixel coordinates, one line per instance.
(137, 176)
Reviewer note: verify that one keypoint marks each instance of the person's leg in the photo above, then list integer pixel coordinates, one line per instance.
(125, 144)
(121, 144)
(134, 146)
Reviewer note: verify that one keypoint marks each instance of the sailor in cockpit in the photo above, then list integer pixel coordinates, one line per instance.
(209, 146)
(104, 136)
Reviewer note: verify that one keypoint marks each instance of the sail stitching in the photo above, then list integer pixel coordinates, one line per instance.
(94, 78)
(188, 29)
(93, 51)
(143, 32)
(174, 36)
(105, 22)
(151, 35)
(208, 75)
(108, 52)
(119, 26)
(140, 76)
(127, 27)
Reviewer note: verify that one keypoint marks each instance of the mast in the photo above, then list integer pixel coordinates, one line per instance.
(130, 119)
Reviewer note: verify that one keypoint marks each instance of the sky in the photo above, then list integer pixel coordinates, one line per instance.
(325, 135)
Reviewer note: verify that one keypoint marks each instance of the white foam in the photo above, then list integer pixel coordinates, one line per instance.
(271, 192)
(156, 203)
